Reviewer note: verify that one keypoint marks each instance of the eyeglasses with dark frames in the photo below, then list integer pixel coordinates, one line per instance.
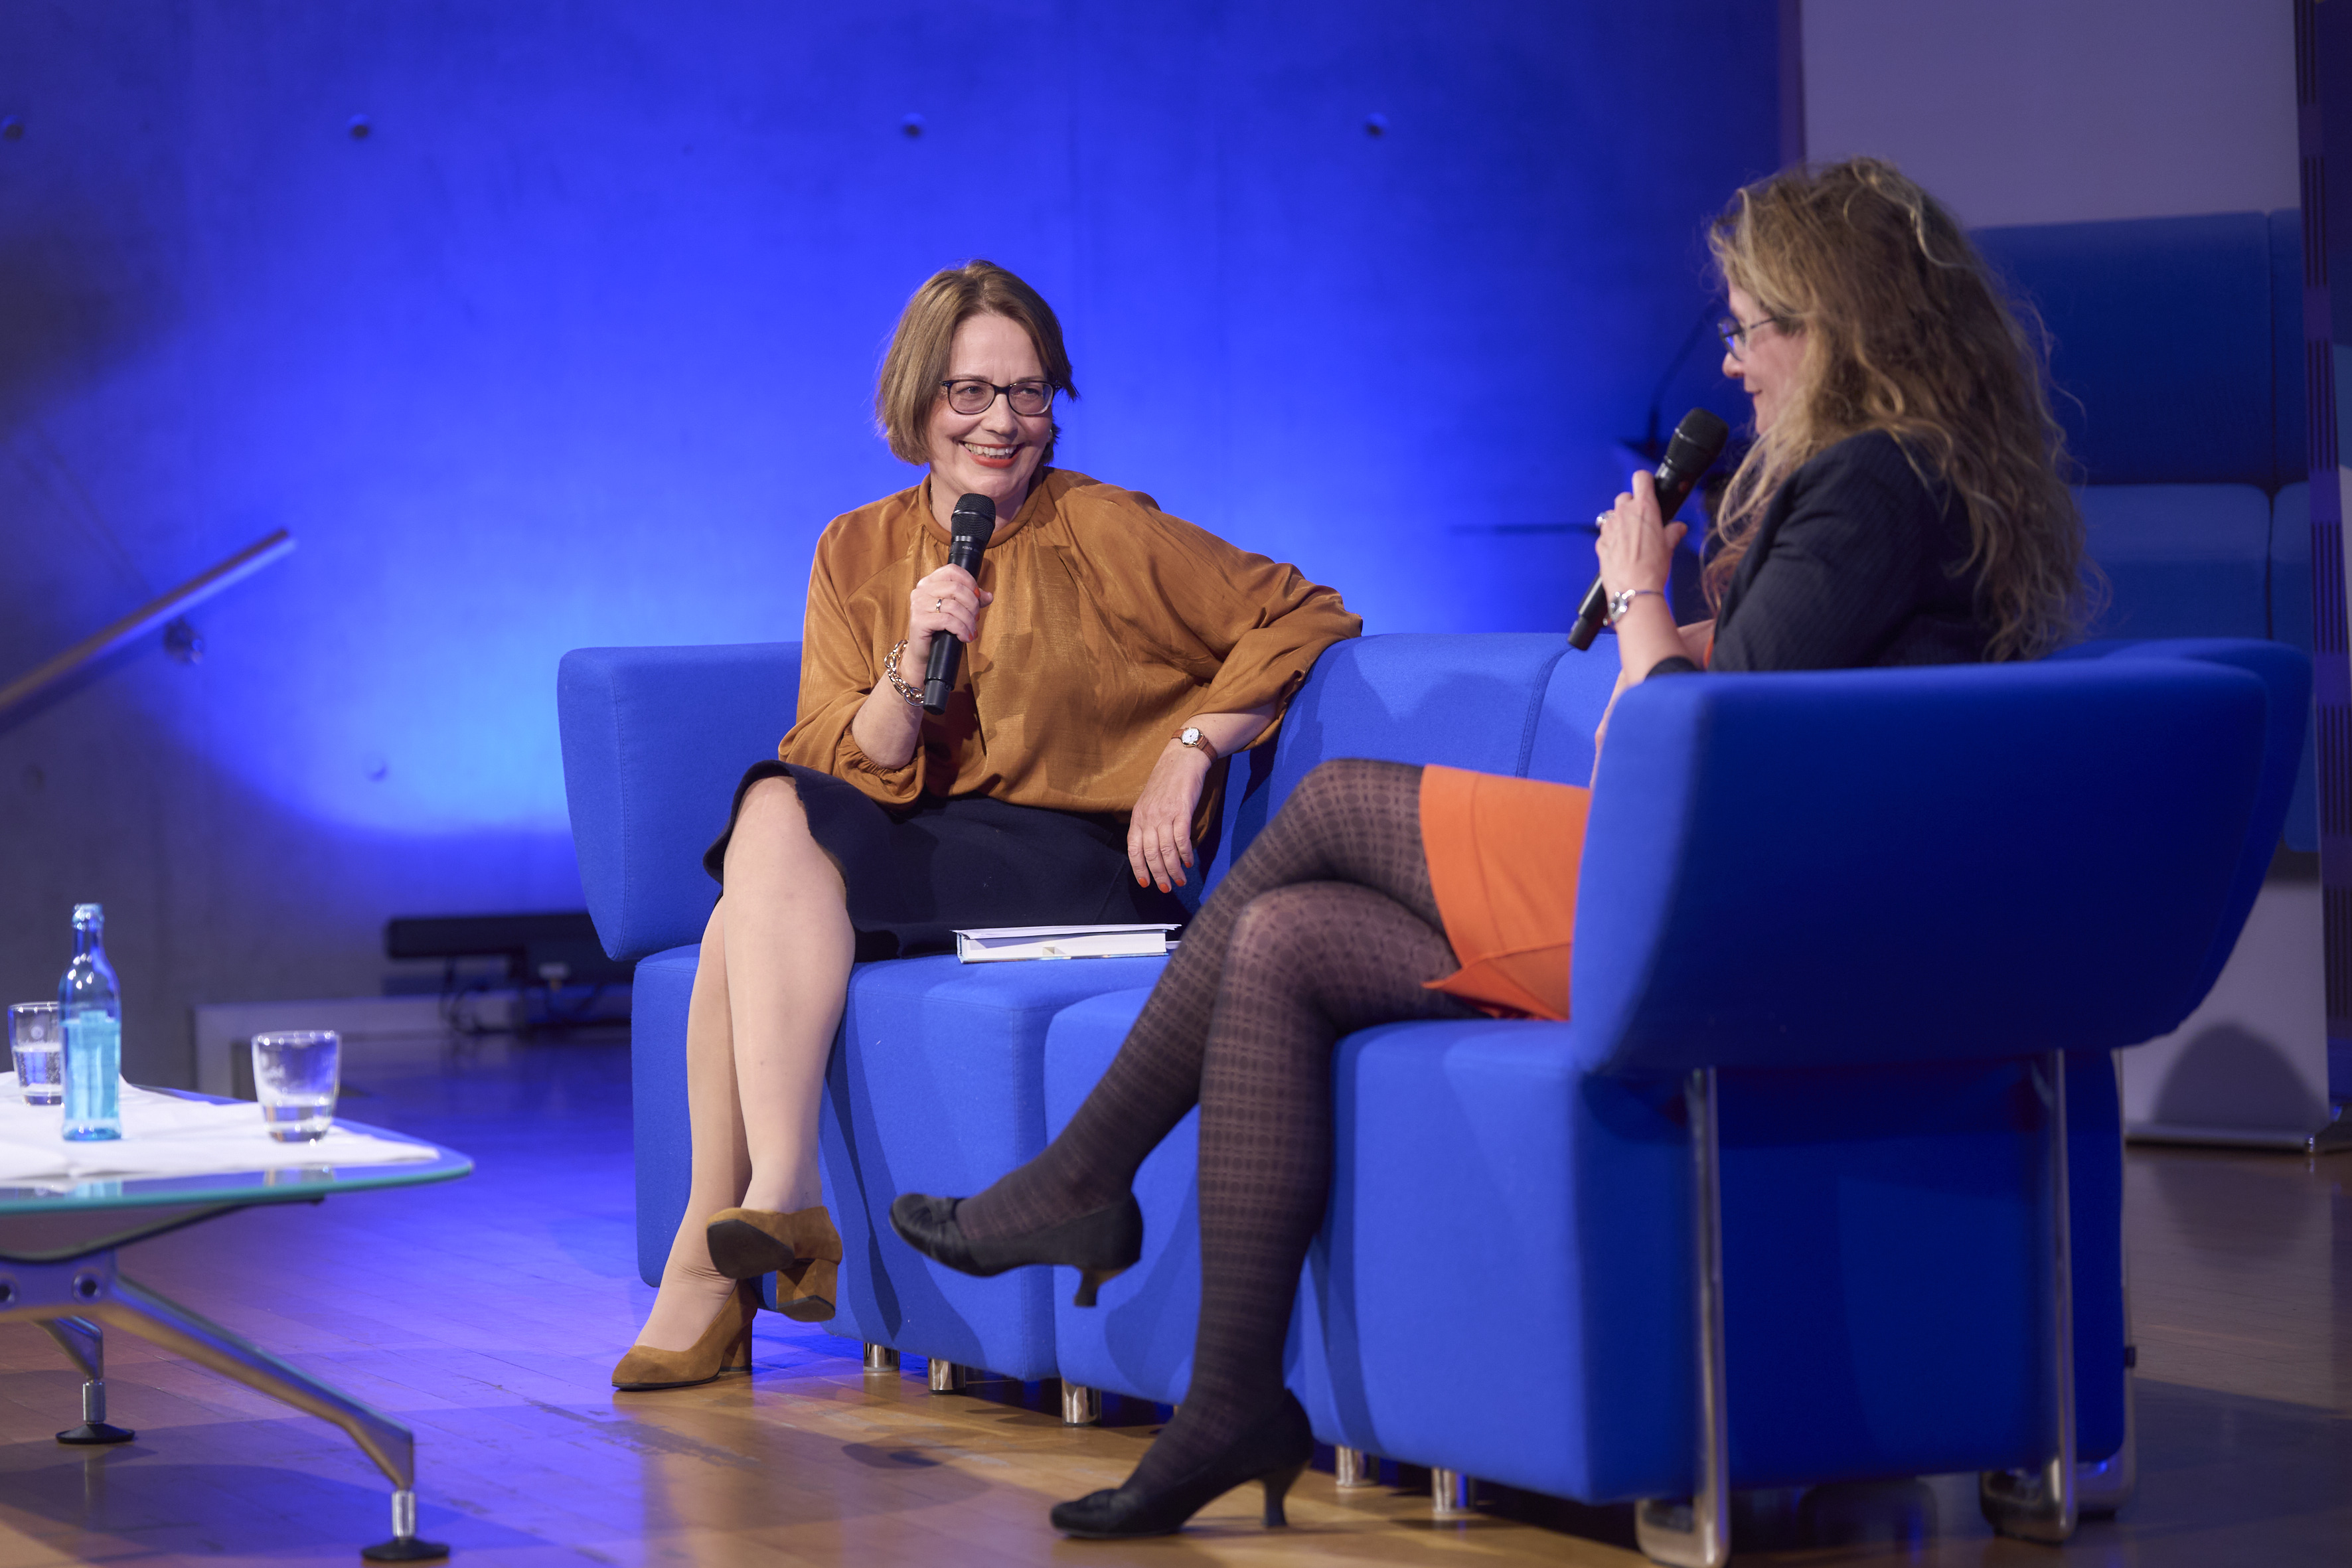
(1734, 332)
(973, 396)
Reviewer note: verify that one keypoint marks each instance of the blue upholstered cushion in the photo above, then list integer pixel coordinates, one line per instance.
(2183, 561)
(1573, 700)
(658, 1005)
(1489, 1203)
(1138, 1341)
(653, 741)
(1494, 1207)
(2285, 675)
(2162, 342)
(937, 1085)
(1471, 701)
(1782, 817)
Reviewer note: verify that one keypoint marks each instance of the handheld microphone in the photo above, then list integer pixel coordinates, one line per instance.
(1699, 441)
(968, 534)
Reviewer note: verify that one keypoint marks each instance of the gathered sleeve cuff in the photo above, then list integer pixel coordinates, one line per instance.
(1269, 661)
(1261, 620)
(838, 670)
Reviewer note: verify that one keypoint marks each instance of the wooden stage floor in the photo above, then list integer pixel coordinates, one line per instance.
(488, 1314)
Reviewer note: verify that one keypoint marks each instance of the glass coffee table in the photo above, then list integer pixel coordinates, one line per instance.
(58, 1246)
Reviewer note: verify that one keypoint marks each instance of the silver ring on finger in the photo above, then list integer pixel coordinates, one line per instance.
(938, 605)
(1601, 521)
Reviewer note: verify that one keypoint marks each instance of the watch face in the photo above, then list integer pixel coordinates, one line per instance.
(1192, 735)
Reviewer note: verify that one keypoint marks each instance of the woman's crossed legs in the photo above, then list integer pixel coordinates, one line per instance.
(768, 995)
(1327, 925)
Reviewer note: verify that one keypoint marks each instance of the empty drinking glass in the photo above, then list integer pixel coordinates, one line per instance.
(296, 1074)
(38, 1044)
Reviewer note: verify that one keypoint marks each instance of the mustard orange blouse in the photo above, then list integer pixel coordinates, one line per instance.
(1113, 623)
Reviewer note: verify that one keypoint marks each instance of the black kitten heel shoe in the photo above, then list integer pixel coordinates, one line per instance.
(1272, 1453)
(1100, 1246)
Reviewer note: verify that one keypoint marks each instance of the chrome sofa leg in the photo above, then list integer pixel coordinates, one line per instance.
(881, 1358)
(1698, 1533)
(1451, 1494)
(947, 1377)
(1352, 1468)
(1081, 1405)
(2040, 1504)
(2103, 1488)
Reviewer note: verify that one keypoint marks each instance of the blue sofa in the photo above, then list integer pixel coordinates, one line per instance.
(1519, 1163)
(653, 742)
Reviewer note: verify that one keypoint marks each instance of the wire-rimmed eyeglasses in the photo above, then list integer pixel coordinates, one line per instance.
(1734, 332)
(973, 396)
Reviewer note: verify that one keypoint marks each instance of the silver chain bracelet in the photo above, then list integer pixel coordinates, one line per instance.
(891, 669)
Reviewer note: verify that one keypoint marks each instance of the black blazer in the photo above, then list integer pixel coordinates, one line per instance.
(1858, 562)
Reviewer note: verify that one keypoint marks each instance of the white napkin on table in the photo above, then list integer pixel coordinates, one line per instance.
(163, 1135)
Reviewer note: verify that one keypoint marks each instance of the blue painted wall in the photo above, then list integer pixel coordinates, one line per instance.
(575, 345)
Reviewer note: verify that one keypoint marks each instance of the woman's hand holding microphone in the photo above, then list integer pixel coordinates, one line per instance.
(1636, 553)
(947, 602)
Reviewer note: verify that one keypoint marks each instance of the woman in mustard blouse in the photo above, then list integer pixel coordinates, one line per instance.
(1112, 654)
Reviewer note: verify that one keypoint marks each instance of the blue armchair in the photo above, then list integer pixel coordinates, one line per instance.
(1779, 1205)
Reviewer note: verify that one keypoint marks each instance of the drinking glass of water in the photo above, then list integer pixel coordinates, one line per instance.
(295, 1076)
(38, 1043)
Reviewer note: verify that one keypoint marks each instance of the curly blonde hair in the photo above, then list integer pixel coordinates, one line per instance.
(912, 366)
(1906, 332)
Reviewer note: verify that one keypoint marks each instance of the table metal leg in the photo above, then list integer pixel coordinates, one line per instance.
(85, 1345)
(71, 1299)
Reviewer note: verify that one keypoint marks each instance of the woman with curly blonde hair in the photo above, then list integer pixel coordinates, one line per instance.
(1901, 505)
(1859, 309)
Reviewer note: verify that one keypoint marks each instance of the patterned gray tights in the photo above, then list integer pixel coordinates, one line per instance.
(1327, 925)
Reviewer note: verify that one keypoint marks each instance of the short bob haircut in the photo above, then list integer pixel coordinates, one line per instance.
(917, 361)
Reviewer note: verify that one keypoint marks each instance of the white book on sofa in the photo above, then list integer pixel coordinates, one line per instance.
(1002, 945)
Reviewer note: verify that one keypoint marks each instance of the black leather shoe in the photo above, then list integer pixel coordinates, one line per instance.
(1099, 1245)
(1272, 1453)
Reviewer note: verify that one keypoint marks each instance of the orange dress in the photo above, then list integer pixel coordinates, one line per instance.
(1503, 858)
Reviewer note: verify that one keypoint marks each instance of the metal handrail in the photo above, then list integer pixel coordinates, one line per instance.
(91, 649)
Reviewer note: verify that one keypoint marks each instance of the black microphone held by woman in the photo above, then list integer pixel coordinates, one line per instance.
(1699, 441)
(969, 531)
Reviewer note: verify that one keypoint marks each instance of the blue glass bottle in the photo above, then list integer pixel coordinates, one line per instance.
(89, 1005)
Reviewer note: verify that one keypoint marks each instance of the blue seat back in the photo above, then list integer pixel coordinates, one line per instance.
(1937, 864)
(653, 741)
(1472, 700)
(2181, 561)
(2169, 344)
(2285, 675)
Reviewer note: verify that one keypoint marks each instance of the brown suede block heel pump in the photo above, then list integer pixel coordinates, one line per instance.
(725, 1346)
(802, 1249)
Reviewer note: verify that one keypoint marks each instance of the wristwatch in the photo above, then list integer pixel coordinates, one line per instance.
(1621, 603)
(1191, 736)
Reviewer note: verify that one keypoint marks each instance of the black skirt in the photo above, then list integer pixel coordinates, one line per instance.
(916, 875)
